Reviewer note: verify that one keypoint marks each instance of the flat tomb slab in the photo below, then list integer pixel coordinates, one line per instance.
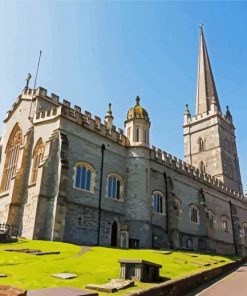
(64, 276)
(113, 286)
(3, 275)
(63, 291)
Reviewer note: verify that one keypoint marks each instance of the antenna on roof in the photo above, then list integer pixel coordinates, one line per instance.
(37, 72)
(32, 109)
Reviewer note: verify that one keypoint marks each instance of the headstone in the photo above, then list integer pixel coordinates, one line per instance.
(63, 291)
(64, 276)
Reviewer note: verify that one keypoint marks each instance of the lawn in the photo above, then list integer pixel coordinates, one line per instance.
(96, 266)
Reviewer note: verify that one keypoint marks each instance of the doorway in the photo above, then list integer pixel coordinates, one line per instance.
(114, 231)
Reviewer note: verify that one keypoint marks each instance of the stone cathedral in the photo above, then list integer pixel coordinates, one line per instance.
(68, 176)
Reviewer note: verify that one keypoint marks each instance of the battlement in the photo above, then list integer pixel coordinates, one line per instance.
(205, 115)
(185, 168)
(74, 114)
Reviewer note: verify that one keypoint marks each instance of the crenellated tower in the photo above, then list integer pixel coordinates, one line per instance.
(209, 136)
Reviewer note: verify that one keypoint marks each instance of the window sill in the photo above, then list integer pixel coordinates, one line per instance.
(4, 193)
(115, 199)
(162, 214)
(197, 223)
(80, 189)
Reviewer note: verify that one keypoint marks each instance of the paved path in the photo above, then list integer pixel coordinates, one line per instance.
(83, 250)
(234, 284)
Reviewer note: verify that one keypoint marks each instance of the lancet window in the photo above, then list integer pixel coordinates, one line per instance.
(12, 156)
(37, 158)
(84, 174)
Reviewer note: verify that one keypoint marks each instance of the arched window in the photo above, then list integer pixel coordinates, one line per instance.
(84, 173)
(128, 132)
(37, 158)
(211, 219)
(145, 136)
(194, 214)
(114, 187)
(158, 202)
(201, 144)
(12, 155)
(224, 223)
(177, 207)
(202, 167)
(244, 229)
(137, 134)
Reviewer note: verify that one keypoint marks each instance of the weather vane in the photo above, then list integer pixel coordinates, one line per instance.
(201, 26)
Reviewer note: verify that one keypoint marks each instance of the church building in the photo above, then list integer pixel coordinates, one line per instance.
(67, 176)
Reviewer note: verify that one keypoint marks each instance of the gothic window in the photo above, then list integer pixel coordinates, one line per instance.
(201, 144)
(227, 145)
(211, 219)
(177, 207)
(37, 158)
(114, 187)
(224, 223)
(202, 167)
(12, 155)
(145, 136)
(194, 214)
(244, 225)
(137, 134)
(158, 202)
(230, 169)
(84, 174)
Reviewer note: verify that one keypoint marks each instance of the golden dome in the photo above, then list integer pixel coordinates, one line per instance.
(137, 111)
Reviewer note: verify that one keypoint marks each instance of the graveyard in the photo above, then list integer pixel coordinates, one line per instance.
(33, 265)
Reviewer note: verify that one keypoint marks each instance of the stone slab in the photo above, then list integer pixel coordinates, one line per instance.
(63, 291)
(64, 276)
(46, 253)
(113, 286)
(3, 275)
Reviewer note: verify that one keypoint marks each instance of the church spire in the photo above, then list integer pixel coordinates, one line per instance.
(206, 90)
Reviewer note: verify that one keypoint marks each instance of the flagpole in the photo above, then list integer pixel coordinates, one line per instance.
(32, 110)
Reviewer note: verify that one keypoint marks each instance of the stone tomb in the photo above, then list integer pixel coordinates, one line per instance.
(141, 270)
(63, 291)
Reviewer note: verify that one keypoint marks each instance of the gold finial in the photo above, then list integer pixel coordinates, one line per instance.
(137, 100)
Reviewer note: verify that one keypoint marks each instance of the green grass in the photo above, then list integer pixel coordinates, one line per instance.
(94, 267)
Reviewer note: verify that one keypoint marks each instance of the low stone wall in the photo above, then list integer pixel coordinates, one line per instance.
(185, 285)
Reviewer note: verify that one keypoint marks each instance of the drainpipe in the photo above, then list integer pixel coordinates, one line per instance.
(166, 188)
(233, 231)
(100, 191)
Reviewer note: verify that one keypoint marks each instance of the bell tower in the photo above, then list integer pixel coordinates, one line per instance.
(209, 136)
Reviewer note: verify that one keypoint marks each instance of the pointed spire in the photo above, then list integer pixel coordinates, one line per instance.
(109, 118)
(206, 90)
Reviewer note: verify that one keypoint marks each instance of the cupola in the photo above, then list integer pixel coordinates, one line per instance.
(137, 125)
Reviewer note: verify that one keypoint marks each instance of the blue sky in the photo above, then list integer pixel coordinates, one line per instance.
(96, 52)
